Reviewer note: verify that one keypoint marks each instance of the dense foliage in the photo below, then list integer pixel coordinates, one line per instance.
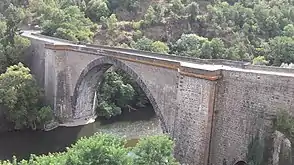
(106, 149)
(12, 46)
(63, 21)
(20, 95)
(117, 92)
(238, 30)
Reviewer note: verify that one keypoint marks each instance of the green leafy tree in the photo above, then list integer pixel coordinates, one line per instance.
(14, 17)
(111, 22)
(99, 149)
(159, 47)
(280, 50)
(190, 45)
(96, 9)
(117, 91)
(20, 95)
(154, 150)
(143, 44)
(114, 94)
(150, 16)
(193, 10)
(213, 49)
(176, 6)
(289, 30)
(12, 46)
(69, 23)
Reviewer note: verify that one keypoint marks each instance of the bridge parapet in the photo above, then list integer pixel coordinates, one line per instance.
(238, 64)
(203, 73)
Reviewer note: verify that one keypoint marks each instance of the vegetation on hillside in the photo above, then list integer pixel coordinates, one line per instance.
(106, 149)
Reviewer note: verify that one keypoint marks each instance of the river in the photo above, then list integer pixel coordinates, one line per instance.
(131, 125)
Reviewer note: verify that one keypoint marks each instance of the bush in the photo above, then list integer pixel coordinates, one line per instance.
(260, 60)
(99, 149)
(154, 150)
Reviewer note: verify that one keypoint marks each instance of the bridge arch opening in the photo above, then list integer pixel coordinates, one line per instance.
(241, 163)
(84, 100)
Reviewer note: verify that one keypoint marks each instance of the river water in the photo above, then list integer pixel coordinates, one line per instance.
(131, 125)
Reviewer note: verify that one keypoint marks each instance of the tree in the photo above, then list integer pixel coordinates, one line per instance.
(96, 9)
(177, 6)
(213, 49)
(159, 47)
(143, 44)
(14, 17)
(280, 50)
(289, 30)
(193, 10)
(111, 22)
(118, 92)
(154, 150)
(20, 95)
(150, 16)
(114, 94)
(190, 45)
(69, 23)
(12, 46)
(99, 149)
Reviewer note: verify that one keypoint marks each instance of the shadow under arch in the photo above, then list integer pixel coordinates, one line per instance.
(84, 91)
(241, 163)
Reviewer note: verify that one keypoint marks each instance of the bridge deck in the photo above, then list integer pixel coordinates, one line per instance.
(184, 63)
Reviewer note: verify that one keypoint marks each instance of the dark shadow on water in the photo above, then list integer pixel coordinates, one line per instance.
(23, 143)
(142, 114)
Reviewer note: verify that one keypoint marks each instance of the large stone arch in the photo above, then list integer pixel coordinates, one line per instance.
(88, 80)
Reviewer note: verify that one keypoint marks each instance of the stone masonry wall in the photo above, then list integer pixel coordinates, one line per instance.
(195, 97)
(183, 103)
(68, 67)
(245, 104)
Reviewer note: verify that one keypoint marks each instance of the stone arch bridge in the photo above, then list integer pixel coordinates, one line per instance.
(212, 108)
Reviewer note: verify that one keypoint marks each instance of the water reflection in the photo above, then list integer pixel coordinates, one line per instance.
(131, 125)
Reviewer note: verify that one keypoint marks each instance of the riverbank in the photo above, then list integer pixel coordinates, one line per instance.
(79, 122)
